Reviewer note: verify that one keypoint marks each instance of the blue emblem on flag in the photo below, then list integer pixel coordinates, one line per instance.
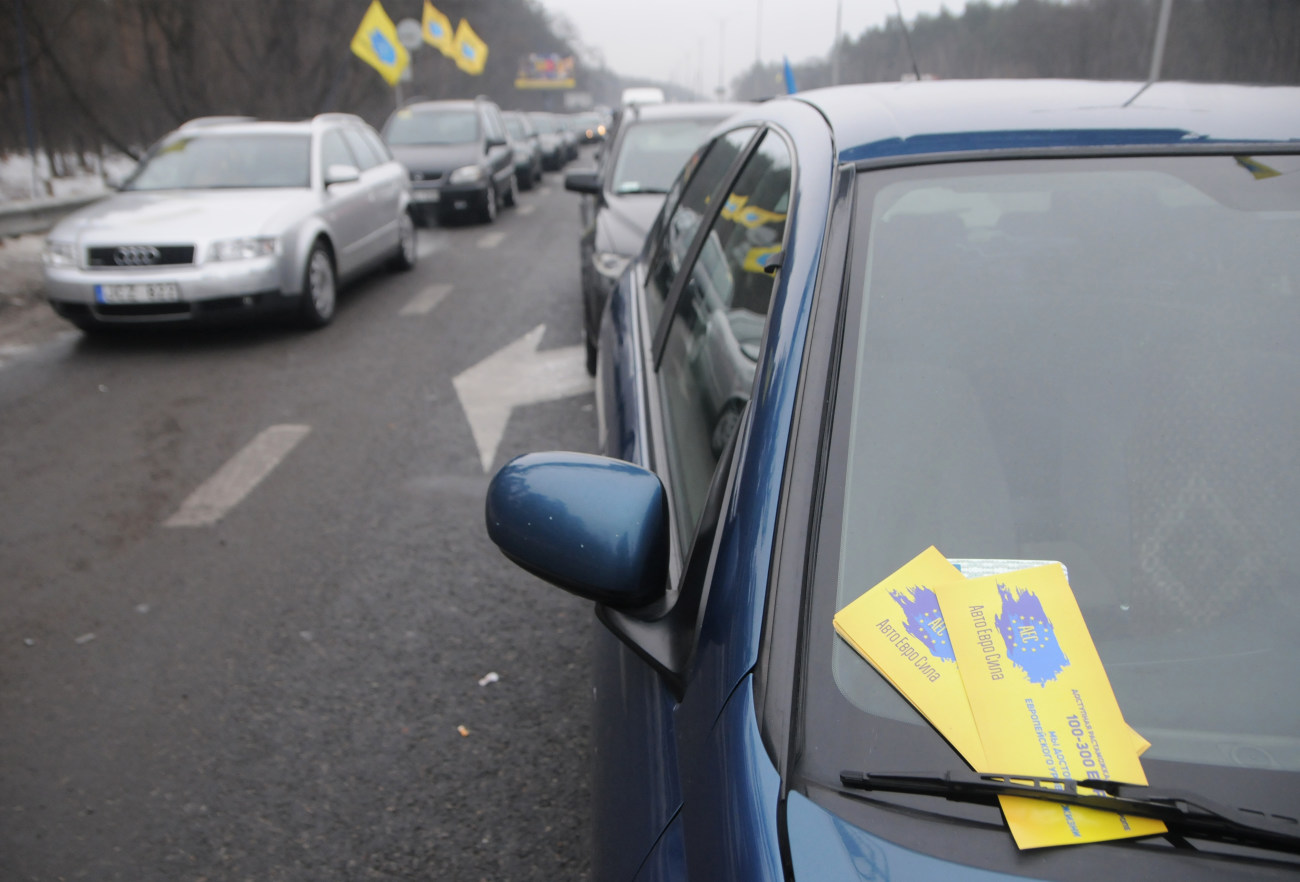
(467, 51)
(384, 50)
(435, 30)
(1031, 641)
(925, 621)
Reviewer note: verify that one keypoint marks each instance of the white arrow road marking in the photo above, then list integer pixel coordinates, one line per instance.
(514, 376)
(426, 300)
(237, 478)
(525, 210)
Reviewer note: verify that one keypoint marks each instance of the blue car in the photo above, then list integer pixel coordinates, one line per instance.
(1021, 322)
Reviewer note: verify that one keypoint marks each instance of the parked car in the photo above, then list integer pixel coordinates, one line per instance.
(555, 149)
(591, 126)
(1017, 321)
(229, 217)
(526, 143)
(623, 195)
(459, 157)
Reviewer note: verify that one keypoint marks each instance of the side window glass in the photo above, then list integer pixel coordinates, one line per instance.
(364, 153)
(492, 124)
(686, 204)
(333, 151)
(713, 342)
(371, 137)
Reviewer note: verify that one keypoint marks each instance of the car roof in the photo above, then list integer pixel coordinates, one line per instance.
(880, 120)
(448, 104)
(683, 110)
(239, 125)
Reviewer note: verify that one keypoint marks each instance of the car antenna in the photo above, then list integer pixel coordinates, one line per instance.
(1158, 53)
(907, 39)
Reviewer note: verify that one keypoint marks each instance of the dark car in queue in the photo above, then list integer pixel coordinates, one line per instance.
(1020, 322)
(550, 134)
(623, 194)
(526, 143)
(459, 157)
(231, 217)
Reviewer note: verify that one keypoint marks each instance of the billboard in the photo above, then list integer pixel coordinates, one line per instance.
(537, 71)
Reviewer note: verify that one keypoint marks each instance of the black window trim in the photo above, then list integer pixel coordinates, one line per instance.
(701, 234)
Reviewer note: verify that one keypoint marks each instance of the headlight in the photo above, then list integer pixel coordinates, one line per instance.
(468, 174)
(59, 253)
(244, 249)
(609, 264)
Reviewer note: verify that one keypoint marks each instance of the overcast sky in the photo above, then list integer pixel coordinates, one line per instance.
(677, 40)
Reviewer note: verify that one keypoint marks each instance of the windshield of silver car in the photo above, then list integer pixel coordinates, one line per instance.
(225, 161)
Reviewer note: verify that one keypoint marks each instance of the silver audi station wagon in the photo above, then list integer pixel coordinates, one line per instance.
(230, 216)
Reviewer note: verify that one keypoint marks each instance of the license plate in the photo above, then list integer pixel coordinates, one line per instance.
(150, 292)
(425, 195)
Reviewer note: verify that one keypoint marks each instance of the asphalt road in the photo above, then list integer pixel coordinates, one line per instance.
(289, 680)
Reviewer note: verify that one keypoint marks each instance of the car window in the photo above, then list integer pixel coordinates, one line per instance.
(516, 128)
(1087, 362)
(432, 127)
(713, 340)
(492, 123)
(361, 149)
(213, 161)
(371, 137)
(335, 151)
(684, 212)
(650, 154)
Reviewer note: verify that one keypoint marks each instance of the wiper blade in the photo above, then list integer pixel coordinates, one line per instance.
(1183, 812)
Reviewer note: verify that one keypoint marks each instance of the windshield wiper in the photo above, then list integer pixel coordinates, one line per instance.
(1183, 812)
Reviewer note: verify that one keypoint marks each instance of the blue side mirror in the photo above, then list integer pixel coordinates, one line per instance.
(594, 526)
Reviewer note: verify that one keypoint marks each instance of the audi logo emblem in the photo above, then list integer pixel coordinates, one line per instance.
(136, 255)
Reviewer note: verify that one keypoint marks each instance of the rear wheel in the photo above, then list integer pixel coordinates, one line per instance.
(319, 288)
(406, 255)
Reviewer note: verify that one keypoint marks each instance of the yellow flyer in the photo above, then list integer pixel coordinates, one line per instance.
(1041, 700)
(898, 628)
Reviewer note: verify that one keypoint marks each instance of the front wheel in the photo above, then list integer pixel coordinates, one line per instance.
(488, 211)
(319, 288)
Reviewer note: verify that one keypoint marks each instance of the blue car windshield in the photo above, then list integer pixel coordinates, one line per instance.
(650, 154)
(432, 127)
(204, 161)
(1091, 362)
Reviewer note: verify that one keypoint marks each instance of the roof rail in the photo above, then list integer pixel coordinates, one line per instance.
(203, 121)
(336, 116)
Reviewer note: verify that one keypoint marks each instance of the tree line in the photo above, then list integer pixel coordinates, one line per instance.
(118, 74)
(1240, 41)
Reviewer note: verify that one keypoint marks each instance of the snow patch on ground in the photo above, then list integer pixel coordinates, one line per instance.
(82, 176)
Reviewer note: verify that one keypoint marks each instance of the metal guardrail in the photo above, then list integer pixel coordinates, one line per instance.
(20, 218)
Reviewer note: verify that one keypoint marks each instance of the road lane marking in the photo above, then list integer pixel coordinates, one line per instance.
(424, 302)
(526, 210)
(513, 376)
(237, 478)
(492, 240)
(543, 191)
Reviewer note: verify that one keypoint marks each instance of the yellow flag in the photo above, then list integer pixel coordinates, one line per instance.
(437, 32)
(471, 52)
(375, 43)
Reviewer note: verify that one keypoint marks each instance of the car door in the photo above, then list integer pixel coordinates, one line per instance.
(382, 191)
(700, 275)
(500, 157)
(348, 207)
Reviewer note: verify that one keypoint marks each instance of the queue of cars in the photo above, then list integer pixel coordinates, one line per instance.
(232, 217)
(1021, 322)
